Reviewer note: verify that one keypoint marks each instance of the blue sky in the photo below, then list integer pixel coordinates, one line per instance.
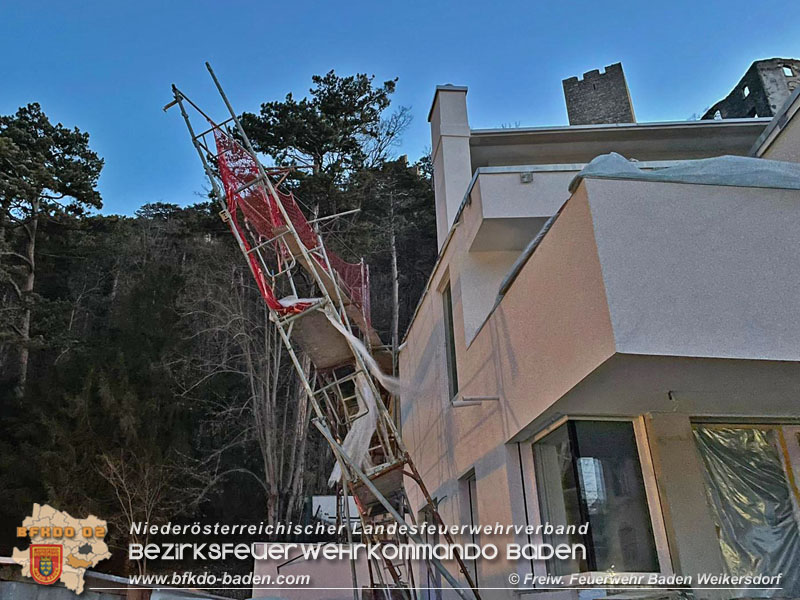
(106, 67)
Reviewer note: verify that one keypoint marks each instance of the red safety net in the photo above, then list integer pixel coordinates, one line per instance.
(265, 221)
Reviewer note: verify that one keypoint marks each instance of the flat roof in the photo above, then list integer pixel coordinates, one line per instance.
(614, 126)
(668, 140)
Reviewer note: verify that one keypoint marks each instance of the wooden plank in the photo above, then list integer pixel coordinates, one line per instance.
(321, 341)
(354, 312)
(389, 482)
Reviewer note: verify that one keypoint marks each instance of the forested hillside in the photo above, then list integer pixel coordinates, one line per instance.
(141, 379)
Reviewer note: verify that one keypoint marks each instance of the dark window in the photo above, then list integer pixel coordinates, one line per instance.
(450, 342)
(472, 490)
(589, 471)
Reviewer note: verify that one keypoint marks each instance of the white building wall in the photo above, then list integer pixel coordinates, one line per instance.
(698, 270)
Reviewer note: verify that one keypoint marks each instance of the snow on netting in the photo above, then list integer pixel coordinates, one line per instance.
(237, 168)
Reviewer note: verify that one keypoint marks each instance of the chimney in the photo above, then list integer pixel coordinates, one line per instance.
(599, 97)
(452, 167)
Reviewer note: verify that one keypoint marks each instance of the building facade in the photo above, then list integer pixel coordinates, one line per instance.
(610, 350)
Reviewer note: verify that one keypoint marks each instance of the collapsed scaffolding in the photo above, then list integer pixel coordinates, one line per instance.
(347, 389)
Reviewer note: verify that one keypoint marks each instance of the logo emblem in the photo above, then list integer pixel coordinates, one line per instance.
(46, 562)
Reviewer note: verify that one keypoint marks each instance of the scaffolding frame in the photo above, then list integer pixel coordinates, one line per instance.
(329, 401)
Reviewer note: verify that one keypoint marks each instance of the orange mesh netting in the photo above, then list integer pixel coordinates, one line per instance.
(264, 220)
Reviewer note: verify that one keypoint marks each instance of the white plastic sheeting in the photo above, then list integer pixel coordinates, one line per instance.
(290, 301)
(356, 442)
(753, 504)
(389, 383)
(737, 171)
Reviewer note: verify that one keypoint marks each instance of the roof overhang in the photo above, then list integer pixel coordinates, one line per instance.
(641, 141)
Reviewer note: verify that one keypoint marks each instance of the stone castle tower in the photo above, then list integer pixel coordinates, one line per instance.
(599, 97)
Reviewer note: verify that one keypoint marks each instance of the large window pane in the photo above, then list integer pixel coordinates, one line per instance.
(614, 495)
(559, 497)
(589, 471)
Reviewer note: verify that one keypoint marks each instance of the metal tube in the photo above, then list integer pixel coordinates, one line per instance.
(388, 506)
(212, 128)
(346, 500)
(336, 216)
(435, 511)
(179, 97)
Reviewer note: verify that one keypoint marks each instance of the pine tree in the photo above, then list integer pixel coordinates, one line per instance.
(48, 172)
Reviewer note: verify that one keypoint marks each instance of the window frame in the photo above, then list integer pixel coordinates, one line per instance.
(469, 511)
(433, 578)
(534, 509)
(451, 355)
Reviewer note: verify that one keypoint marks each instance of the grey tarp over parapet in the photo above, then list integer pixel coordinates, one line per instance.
(737, 171)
